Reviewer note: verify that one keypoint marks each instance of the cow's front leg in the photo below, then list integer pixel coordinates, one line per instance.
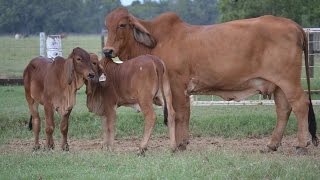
(64, 125)
(49, 126)
(108, 122)
(181, 105)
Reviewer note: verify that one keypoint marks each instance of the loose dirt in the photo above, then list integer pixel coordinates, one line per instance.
(197, 144)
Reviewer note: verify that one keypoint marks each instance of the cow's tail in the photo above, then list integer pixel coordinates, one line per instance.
(311, 116)
(30, 123)
(161, 73)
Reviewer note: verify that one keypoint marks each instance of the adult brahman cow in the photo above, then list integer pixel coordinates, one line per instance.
(135, 83)
(233, 60)
(54, 84)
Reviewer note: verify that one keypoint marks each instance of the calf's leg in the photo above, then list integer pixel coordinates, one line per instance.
(64, 125)
(108, 122)
(149, 123)
(49, 126)
(33, 107)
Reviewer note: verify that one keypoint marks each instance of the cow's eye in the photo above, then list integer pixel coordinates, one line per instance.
(94, 63)
(122, 25)
(78, 59)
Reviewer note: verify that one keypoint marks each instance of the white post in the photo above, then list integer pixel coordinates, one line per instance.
(54, 46)
(42, 44)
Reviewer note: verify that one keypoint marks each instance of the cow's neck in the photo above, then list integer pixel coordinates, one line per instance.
(69, 90)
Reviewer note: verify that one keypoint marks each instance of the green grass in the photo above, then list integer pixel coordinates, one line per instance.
(157, 165)
(226, 121)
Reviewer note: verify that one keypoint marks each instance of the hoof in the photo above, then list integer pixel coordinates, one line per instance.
(173, 150)
(142, 152)
(65, 147)
(301, 150)
(183, 146)
(315, 141)
(268, 149)
(35, 148)
(49, 147)
(107, 147)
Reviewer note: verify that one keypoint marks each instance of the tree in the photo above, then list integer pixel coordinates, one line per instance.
(304, 12)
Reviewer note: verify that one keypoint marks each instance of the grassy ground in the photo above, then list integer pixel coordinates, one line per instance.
(158, 165)
(226, 121)
(231, 122)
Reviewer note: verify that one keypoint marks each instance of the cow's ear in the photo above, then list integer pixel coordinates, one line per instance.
(69, 70)
(141, 34)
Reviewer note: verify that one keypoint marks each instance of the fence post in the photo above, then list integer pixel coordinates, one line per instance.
(103, 33)
(42, 44)
(54, 46)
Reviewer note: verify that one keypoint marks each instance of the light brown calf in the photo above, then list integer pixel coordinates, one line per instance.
(134, 83)
(54, 85)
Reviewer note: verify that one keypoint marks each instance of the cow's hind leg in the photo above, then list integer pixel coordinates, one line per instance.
(283, 110)
(300, 106)
(49, 126)
(33, 107)
(64, 125)
(149, 123)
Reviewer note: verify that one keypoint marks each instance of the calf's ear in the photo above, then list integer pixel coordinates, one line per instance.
(70, 70)
(141, 34)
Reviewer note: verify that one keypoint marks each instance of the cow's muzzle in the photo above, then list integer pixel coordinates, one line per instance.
(109, 53)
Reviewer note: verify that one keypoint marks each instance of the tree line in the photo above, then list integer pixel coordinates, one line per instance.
(87, 16)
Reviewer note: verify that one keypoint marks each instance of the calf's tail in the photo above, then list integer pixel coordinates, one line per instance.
(30, 123)
(311, 116)
(160, 73)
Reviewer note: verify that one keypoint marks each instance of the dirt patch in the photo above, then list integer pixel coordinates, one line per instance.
(197, 144)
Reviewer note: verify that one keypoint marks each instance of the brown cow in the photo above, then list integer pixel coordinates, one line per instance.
(233, 60)
(135, 83)
(54, 85)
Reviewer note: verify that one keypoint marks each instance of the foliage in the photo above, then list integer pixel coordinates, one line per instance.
(31, 16)
(305, 13)
(191, 11)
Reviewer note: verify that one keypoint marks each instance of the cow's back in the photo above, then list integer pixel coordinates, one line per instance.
(219, 55)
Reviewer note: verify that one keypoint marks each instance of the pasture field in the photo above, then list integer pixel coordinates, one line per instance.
(225, 144)
(16, 54)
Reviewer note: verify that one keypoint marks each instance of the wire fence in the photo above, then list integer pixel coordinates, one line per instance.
(18, 51)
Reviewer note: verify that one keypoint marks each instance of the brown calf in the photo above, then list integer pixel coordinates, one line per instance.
(135, 83)
(54, 85)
